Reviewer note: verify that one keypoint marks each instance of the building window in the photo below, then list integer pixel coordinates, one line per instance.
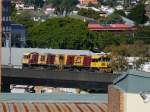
(7, 18)
(3, 18)
(3, 28)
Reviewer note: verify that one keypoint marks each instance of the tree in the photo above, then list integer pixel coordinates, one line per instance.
(137, 14)
(13, 11)
(63, 33)
(24, 18)
(119, 64)
(89, 13)
(120, 12)
(36, 3)
(63, 7)
(143, 33)
(109, 38)
(114, 18)
(138, 49)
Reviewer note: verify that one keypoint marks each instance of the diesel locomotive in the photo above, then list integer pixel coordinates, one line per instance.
(97, 61)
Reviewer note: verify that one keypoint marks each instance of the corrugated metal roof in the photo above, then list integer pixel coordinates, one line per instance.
(52, 107)
(132, 81)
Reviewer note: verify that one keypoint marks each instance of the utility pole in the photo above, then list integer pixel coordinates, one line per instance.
(1, 43)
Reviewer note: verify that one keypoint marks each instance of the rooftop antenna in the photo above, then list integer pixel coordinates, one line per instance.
(0, 42)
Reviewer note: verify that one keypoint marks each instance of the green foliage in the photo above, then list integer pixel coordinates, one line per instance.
(89, 13)
(49, 1)
(120, 12)
(111, 3)
(119, 64)
(111, 19)
(13, 11)
(61, 33)
(24, 18)
(108, 38)
(36, 3)
(138, 49)
(137, 14)
(70, 33)
(143, 33)
(63, 6)
(114, 18)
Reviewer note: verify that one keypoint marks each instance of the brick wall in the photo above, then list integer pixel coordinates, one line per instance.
(115, 99)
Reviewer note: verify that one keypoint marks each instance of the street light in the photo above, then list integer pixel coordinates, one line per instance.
(0, 42)
(9, 48)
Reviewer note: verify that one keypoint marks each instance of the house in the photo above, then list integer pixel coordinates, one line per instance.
(19, 6)
(83, 18)
(23, 6)
(147, 9)
(86, 2)
(107, 9)
(119, 7)
(102, 14)
(147, 2)
(131, 91)
(28, 7)
(116, 28)
(48, 10)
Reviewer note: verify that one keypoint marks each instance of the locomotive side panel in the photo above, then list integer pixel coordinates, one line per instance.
(50, 59)
(34, 59)
(87, 61)
(78, 61)
(42, 59)
(70, 60)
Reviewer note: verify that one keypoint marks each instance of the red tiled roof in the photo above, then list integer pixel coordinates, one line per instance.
(119, 25)
(52, 107)
(94, 26)
(88, 1)
(112, 27)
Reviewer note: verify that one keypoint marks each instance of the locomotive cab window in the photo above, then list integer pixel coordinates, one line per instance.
(100, 59)
(106, 59)
(26, 56)
(95, 60)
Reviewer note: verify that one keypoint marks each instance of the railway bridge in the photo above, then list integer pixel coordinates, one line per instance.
(66, 79)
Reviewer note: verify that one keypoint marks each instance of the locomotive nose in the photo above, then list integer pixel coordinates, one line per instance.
(103, 64)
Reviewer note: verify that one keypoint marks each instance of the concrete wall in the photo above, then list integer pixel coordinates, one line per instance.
(134, 103)
(17, 54)
(116, 99)
(121, 101)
